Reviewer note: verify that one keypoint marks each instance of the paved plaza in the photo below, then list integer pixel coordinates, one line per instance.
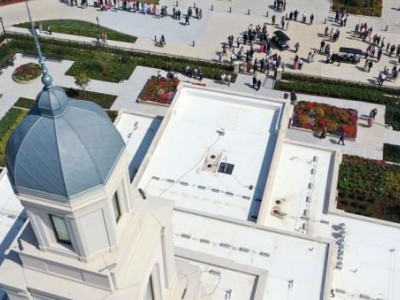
(220, 19)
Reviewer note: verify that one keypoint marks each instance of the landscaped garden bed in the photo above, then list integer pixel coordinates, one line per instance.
(391, 153)
(106, 64)
(316, 116)
(159, 90)
(27, 73)
(369, 188)
(346, 90)
(7, 124)
(359, 7)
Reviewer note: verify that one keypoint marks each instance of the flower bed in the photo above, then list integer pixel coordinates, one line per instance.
(159, 90)
(370, 188)
(27, 72)
(315, 116)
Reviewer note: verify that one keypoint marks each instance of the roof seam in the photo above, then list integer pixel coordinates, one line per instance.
(96, 167)
(59, 156)
(20, 147)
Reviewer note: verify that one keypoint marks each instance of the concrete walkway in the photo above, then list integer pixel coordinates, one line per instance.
(208, 40)
(208, 34)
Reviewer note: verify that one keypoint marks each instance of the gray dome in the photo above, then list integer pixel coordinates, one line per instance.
(63, 147)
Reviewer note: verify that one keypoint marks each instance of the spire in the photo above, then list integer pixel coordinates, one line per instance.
(46, 78)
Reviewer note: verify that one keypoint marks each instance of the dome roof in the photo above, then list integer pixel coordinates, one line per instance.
(63, 147)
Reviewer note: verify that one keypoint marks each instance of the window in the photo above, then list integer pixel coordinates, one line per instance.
(149, 292)
(117, 210)
(60, 229)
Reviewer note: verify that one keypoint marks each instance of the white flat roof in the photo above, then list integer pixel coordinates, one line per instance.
(10, 210)
(138, 132)
(218, 283)
(206, 130)
(371, 253)
(295, 265)
(301, 186)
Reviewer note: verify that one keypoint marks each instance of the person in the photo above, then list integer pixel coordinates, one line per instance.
(163, 40)
(49, 29)
(309, 57)
(258, 84)
(341, 136)
(373, 113)
(381, 78)
(223, 78)
(323, 133)
(296, 47)
(293, 97)
(322, 47)
(228, 79)
(370, 64)
(311, 19)
(254, 81)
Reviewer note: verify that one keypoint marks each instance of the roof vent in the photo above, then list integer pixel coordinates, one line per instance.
(226, 168)
(211, 161)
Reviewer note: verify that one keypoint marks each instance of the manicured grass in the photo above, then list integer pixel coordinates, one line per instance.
(370, 188)
(7, 124)
(346, 90)
(359, 7)
(112, 65)
(24, 103)
(391, 153)
(81, 28)
(104, 100)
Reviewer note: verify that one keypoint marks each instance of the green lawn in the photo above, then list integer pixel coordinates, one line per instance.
(106, 64)
(81, 28)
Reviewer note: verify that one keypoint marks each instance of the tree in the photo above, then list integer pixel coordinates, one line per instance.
(82, 81)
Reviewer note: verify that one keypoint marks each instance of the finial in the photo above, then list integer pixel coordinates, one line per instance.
(46, 78)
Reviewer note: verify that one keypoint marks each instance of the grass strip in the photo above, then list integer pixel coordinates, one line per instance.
(80, 28)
